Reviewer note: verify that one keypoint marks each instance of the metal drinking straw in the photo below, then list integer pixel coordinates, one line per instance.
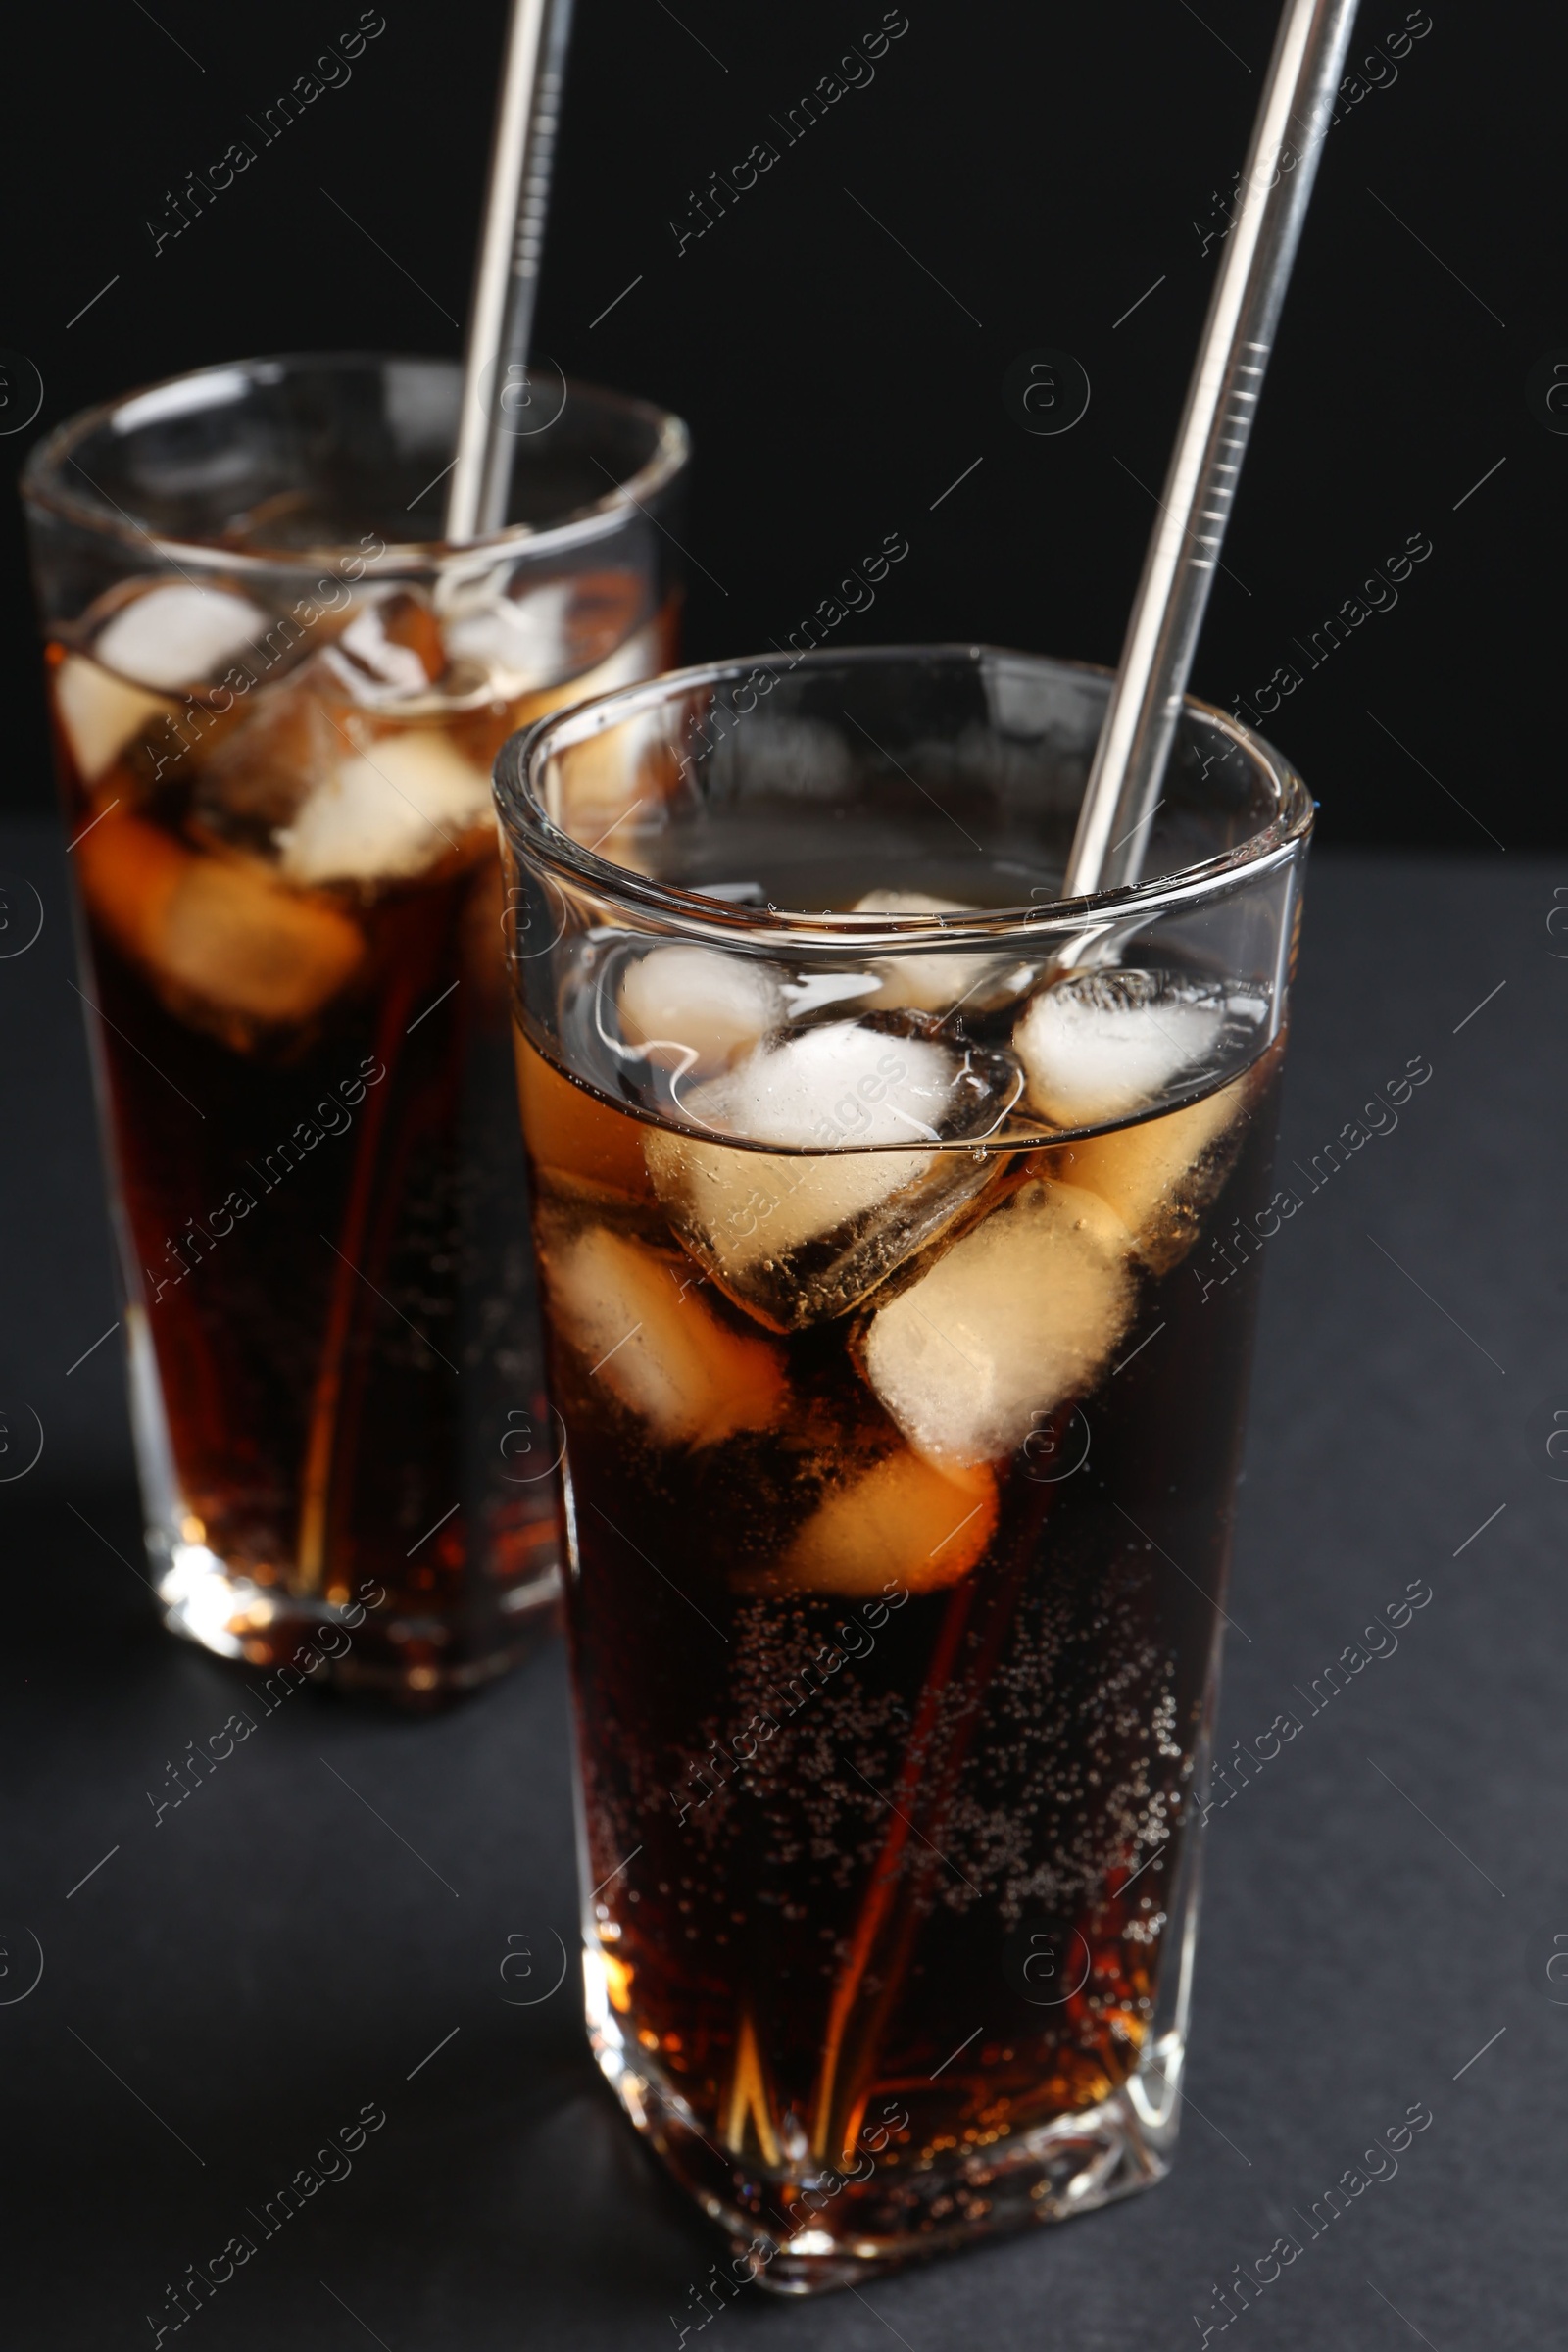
(507, 275)
(1129, 764)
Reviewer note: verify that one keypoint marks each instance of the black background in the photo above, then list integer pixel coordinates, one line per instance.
(222, 1990)
(1032, 172)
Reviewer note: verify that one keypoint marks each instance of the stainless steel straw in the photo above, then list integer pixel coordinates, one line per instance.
(1129, 765)
(505, 279)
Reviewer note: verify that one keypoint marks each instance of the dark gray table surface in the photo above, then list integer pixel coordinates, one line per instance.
(231, 1985)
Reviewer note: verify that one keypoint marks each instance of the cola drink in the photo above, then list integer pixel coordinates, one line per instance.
(909, 1676)
(292, 910)
(898, 1239)
(276, 693)
(904, 1491)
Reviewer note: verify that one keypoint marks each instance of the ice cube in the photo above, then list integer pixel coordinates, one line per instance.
(634, 1317)
(798, 1236)
(579, 632)
(100, 715)
(391, 649)
(1104, 1046)
(389, 811)
(613, 793)
(699, 1006)
(179, 635)
(1018, 1315)
(1162, 1174)
(908, 902)
(520, 641)
(224, 947)
(902, 1522)
(839, 1082)
(925, 983)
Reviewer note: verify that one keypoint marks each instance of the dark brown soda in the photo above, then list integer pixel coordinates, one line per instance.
(939, 1887)
(320, 1224)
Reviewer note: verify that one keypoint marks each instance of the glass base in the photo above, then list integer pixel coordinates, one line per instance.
(808, 2232)
(418, 1661)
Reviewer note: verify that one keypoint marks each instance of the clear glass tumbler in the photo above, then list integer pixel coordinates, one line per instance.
(277, 698)
(898, 1334)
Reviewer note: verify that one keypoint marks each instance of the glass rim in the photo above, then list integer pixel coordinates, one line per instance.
(520, 761)
(43, 485)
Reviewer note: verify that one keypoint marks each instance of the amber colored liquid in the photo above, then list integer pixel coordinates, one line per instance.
(319, 1182)
(940, 1885)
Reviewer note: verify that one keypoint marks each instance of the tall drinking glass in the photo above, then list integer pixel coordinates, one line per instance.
(276, 698)
(898, 1335)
